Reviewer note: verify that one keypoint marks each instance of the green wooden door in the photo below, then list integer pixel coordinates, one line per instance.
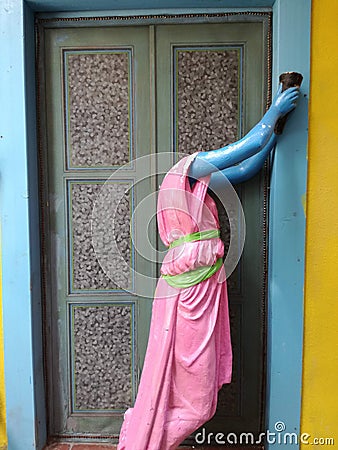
(110, 97)
(211, 84)
(98, 122)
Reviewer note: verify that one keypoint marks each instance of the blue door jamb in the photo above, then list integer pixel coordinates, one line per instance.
(291, 51)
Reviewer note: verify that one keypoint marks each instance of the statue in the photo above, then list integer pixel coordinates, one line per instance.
(189, 354)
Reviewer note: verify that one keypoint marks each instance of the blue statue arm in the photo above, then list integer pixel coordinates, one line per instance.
(211, 161)
(245, 169)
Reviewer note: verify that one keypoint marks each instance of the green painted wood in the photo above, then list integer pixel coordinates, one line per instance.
(63, 419)
(153, 133)
(246, 295)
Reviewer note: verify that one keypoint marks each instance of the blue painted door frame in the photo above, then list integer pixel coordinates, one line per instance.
(26, 421)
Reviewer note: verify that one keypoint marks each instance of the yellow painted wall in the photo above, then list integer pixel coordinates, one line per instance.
(3, 435)
(320, 376)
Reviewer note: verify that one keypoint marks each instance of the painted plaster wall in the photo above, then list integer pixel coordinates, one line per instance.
(319, 396)
(3, 436)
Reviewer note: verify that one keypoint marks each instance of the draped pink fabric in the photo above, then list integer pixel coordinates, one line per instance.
(189, 354)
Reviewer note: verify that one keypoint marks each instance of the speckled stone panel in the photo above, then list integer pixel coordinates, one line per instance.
(207, 98)
(102, 346)
(99, 101)
(87, 273)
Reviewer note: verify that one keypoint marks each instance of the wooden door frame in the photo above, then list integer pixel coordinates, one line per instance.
(26, 418)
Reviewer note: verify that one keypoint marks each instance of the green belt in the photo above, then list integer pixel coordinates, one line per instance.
(197, 236)
(188, 279)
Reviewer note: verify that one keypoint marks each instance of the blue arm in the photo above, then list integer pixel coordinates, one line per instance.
(244, 170)
(211, 161)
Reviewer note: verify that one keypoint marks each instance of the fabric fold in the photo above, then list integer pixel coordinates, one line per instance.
(189, 354)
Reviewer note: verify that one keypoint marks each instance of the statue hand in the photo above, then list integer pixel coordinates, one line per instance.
(285, 101)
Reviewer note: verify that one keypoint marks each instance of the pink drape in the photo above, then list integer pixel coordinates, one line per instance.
(189, 353)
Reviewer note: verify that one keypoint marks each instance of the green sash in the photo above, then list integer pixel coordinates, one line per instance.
(197, 236)
(188, 279)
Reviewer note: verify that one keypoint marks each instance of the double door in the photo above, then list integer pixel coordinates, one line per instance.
(119, 106)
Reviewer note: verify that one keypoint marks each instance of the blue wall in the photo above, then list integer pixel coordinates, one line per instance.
(18, 250)
(112, 5)
(291, 51)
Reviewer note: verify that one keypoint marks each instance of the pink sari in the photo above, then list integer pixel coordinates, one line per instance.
(189, 354)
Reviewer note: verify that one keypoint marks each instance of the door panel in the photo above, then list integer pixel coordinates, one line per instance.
(98, 123)
(112, 95)
(211, 81)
